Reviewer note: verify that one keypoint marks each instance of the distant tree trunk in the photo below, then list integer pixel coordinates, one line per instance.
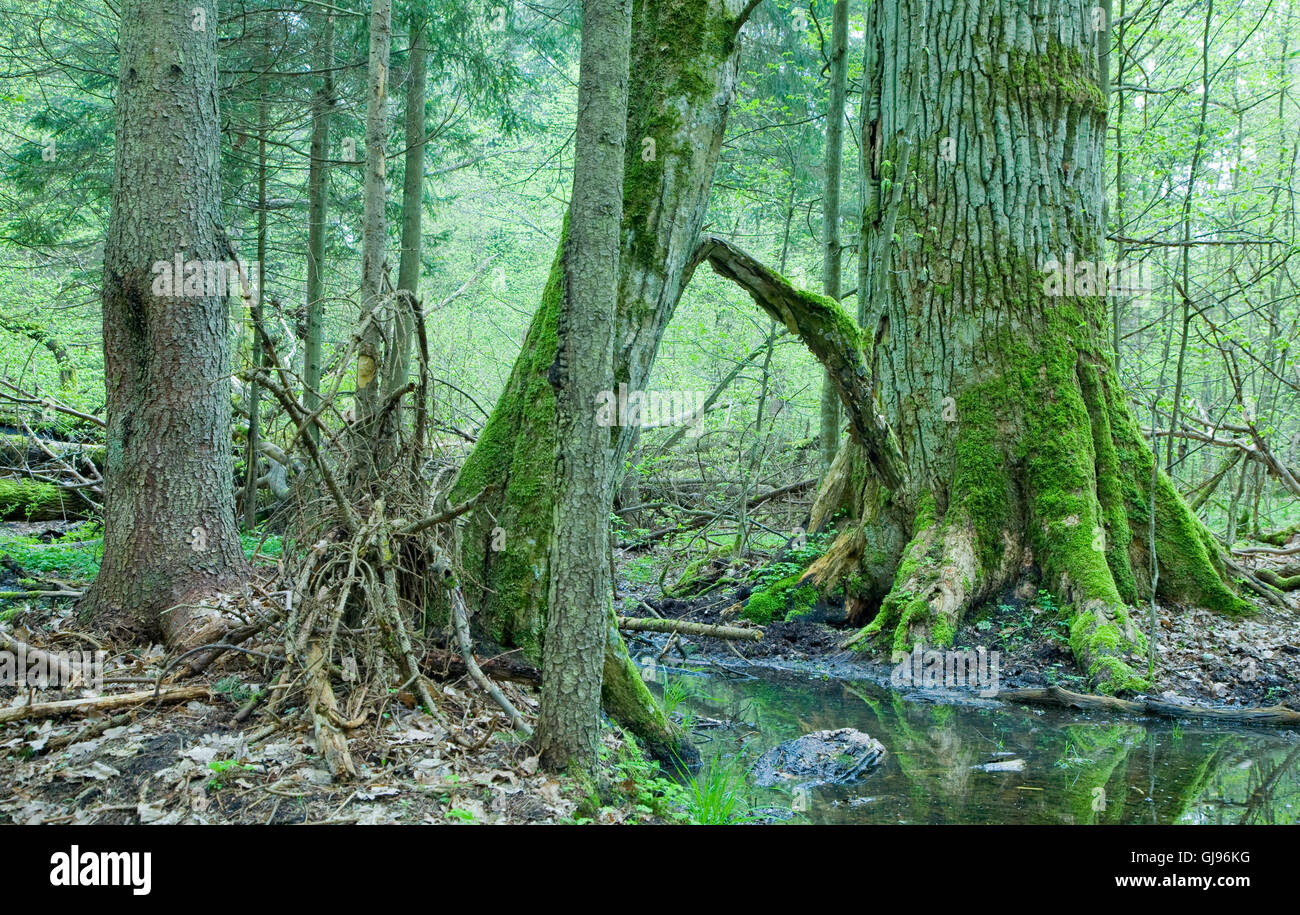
(831, 255)
(255, 317)
(317, 207)
(578, 600)
(408, 271)
(1192, 175)
(1020, 448)
(39, 333)
(170, 537)
(674, 134)
(366, 446)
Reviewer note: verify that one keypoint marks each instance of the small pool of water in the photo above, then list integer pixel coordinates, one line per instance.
(958, 761)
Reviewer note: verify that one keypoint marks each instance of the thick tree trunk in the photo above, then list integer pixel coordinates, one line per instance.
(169, 516)
(1021, 451)
(568, 727)
(685, 54)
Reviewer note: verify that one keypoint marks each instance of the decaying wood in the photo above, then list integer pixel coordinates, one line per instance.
(331, 742)
(68, 673)
(681, 627)
(441, 664)
(1054, 695)
(461, 619)
(40, 710)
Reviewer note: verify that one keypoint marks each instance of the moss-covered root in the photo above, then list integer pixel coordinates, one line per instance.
(627, 701)
(1102, 635)
(937, 580)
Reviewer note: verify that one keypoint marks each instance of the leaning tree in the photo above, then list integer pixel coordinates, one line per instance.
(989, 438)
(684, 59)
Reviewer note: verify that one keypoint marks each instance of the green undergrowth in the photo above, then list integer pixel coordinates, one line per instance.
(779, 594)
(75, 557)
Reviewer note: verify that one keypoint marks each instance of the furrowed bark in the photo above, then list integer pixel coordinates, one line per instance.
(170, 538)
(685, 54)
(568, 726)
(1020, 453)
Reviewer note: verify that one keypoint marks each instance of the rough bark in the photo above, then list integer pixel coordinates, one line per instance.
(1020, 449)
(169, 521)
(831, 254)
(685, 55)
(568, 727)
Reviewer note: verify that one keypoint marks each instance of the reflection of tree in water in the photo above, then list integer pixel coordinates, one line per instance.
(1083, 772)
(1253, 785)
(932, 753)
(1088, 780)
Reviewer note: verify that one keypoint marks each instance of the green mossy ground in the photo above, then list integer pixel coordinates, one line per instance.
(784, 600)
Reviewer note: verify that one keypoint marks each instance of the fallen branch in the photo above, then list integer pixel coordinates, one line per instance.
(330, 739)
(631, 624)
(1055, 695)
(66, 672)
(448, 665)
(832, 337)
(41, 710)
(449, 515)
(461, 619)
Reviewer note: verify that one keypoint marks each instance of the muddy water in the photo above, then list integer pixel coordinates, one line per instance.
(965, 760)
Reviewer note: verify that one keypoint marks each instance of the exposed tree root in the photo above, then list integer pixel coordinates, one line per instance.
(1047, 473)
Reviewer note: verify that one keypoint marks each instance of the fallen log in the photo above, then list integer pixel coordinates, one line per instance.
(1055, 695)
(681, 627)
(447, 665)
(32, 500)
(39, 710)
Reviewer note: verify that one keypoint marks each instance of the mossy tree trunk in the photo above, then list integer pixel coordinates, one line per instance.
(983, 163)
(684, 60)
(568, 725)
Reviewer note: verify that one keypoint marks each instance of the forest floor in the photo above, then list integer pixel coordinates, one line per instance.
(1202, 657)
(194, 763)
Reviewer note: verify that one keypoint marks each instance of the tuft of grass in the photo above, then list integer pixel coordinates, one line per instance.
(718, 795)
